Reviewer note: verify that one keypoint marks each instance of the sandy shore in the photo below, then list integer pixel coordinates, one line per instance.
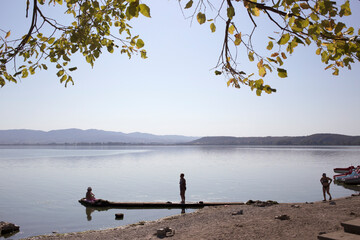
(306, 221)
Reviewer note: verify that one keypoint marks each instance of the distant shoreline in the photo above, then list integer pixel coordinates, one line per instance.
(107, 138)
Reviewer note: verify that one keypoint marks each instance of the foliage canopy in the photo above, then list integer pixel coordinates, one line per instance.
(104, 24)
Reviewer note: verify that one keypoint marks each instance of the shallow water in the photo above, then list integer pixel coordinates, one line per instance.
(40, 186)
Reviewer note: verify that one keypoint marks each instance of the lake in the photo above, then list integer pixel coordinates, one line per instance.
(40, 185)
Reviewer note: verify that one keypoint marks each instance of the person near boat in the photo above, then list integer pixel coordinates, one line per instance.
(182, 187)
(90, 196)
(325, 182)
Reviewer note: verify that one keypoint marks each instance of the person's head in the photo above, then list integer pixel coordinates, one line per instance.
(324, 175)
(89, 189)
(182, 175)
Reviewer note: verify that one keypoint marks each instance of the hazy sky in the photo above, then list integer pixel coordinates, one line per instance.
(175, 90)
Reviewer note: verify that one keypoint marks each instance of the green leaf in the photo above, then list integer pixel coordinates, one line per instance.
(144, 10)
(140, 43)
(218, 72)
(72, 69)
(314, 17)
(25, 73)
(51, 40)
(230, 12)
(201, 17)
(345, 9)
(251, 56)
(63, 78)
(212, 27)
(110, 49)
(339, 27)
(282, 73)
(237, 41)
(189, 4)
(270, 45)
(60, 73)
(143, 54)
(284, 39)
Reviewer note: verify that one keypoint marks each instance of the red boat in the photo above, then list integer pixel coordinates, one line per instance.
(344, 170)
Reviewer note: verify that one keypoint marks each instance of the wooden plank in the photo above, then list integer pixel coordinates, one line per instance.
(340, 235)
(109, 204)
(352, 226)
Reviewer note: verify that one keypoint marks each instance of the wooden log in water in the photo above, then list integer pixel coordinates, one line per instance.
(109, 204)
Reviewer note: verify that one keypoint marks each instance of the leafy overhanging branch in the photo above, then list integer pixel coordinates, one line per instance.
(88, 34)
(299, 22)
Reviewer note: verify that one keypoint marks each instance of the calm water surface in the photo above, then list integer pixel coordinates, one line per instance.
(40, 186)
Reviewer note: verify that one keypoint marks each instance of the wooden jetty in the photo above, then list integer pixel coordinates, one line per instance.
(107, 204)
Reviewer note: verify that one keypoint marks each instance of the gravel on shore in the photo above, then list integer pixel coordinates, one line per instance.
(302, 221)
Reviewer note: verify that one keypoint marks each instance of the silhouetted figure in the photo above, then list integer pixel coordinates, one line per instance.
(90, 197)
(325, 181)
(182, 187)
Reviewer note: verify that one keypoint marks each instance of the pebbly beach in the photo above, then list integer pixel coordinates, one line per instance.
(255, 220)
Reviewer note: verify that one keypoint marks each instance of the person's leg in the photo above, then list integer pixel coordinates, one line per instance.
(324, 193)
(328, 192)
(182, 194)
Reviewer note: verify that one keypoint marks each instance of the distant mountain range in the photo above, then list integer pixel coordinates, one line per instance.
(92, 136)
(315, 139)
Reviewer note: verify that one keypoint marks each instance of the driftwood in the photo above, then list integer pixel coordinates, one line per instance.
(107, 204)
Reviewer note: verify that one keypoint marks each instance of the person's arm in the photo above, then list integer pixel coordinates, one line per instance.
(330, 180)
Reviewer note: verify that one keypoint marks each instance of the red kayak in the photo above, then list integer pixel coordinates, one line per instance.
(344, 170)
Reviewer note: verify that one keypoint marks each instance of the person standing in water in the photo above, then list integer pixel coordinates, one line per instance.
(182, 187)
(325, 181)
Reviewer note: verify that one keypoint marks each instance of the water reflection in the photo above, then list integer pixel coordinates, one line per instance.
(90, 210)
(351, 187)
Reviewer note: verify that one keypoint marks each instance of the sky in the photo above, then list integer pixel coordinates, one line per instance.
(175, 91)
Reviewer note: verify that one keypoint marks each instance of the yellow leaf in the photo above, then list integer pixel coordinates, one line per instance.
(8, 34)
(255, 11)
(230, 81)
(231, 29)
(262, 71)
(329, 66)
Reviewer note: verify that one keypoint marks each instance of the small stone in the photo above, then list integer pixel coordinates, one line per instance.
(352, 214)
(332, 203)
(321, 233)
(165, 232)
(240, 212)
(282, 217)
(119, 216)
(295, 206)
(161, 233)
